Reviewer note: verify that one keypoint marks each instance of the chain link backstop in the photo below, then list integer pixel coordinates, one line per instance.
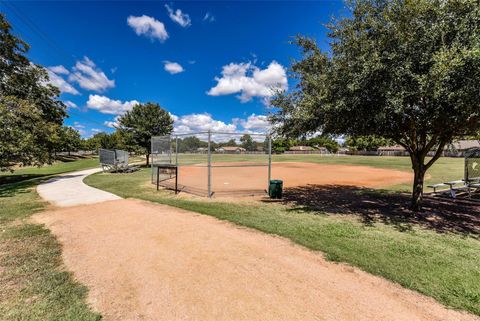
(213, 163)
(472, 164)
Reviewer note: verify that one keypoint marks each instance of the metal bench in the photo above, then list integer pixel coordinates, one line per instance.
(454, 188)
(436, 186)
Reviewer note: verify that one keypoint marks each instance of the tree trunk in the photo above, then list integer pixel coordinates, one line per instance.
(417, 190)
(148, 159)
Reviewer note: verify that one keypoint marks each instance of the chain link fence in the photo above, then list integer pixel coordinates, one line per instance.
(472, 164)
(213, 163)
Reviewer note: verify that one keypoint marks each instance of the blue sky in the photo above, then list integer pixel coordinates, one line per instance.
(212, 65)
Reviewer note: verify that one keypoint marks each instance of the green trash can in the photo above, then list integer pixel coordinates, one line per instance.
(275, 188)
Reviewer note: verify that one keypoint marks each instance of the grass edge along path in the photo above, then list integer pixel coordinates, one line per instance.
(35, 284)
(442, 266)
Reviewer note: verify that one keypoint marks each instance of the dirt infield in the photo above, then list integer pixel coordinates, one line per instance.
(143, 261)
(227, 179)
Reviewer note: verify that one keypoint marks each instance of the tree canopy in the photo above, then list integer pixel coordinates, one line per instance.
(366, 143)
(404, 70)
(143, 122)
(248, 143)
(31, 112)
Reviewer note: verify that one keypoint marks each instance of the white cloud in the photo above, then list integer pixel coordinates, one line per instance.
(77, 125)
(89, 77)
(112, 123)
(58, 81)
(106, 105)
(209, 17)
(254, 123)
(199, 123)
(196, 123)
(173, 67)
(148, 26)
(174, 117)
(250, 81)
(70, 104)
(179, 17)
(61, 70)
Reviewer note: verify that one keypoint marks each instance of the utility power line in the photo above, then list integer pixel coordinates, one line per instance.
(57, 49)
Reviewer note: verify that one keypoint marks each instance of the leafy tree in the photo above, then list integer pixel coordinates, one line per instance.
(366, 143)
(145, 121)
(280, 145)
(24, 86)
(403, 70)
(104, 140)
(88, 144)
(69, 139)
(248, 143)
(231, 142)
(23, 133)
(190, 144)
(323, 141)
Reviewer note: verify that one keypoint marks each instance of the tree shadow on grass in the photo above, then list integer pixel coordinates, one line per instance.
(10, 179)
(10, 190)
(371, 206)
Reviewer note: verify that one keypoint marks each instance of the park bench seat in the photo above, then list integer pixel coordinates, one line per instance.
(436, 186)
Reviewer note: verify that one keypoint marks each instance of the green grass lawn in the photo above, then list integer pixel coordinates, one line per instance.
(25, 173)
(442, 265)
(33, 282)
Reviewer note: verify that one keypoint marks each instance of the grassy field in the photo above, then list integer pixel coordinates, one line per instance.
(34, 284)
(25, 173)
(416, 254)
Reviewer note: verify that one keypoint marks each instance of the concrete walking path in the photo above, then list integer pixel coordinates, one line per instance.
(70, 190)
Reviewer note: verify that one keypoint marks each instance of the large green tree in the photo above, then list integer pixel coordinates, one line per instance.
(23, 133)
(406, 70)
(31, 111)
(248, 143)
(366, 143)
(143, 122)
(69, 139)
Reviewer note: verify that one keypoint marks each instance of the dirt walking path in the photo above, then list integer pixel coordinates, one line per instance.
(143, 261)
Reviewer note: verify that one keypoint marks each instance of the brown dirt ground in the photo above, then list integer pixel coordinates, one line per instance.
(145, 261)
(293, 174)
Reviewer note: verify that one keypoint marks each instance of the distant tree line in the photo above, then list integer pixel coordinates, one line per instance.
(366, 143)
(280, 145)
(193, 144)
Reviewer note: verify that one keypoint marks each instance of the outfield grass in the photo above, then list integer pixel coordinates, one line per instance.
(34, 284)
(444, 266)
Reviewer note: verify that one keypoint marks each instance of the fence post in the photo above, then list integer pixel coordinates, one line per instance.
(176, 151)
(209, 164)
(151, 152)
(269, 161)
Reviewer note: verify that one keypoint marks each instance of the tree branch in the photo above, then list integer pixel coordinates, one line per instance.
(438, 153)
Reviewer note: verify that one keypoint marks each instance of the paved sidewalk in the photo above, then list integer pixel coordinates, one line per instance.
(69, 190)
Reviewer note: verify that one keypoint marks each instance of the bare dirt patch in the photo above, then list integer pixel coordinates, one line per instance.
(227, 179)
(144, 261)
